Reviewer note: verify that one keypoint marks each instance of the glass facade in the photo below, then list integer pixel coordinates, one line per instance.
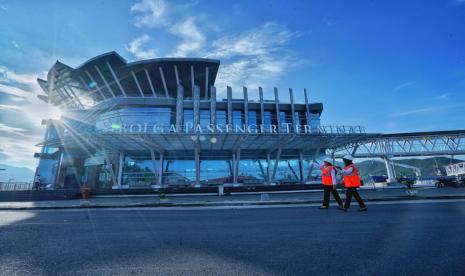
(139, 118)
(221, 117)
(205, 117)
(124, 129)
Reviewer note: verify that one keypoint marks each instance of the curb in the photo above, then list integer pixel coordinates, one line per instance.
(218, 204)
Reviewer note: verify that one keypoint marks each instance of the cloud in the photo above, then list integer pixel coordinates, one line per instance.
(9, 107)
(259, 56)
(418, 111)
(192, 39)
(151, 13)
(444, 96)
(269, 37)
(256, 57)
(135, 47)
(15, 44)
(20, 121)
(9, 129)
(402, 86)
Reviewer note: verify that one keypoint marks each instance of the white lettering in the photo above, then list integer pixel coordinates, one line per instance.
(187, 126)
(239, 128)
(139, 128)
(198, 129)
(252, 129)
(288, 127)
(306, 129)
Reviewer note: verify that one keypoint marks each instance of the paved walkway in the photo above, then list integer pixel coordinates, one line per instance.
(231, 200)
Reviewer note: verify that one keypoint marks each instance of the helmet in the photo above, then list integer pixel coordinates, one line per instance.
(329, 160)
(348, 157)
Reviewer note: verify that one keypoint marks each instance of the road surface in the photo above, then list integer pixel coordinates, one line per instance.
(392, 238)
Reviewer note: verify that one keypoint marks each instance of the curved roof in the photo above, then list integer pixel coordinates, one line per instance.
(109, 76)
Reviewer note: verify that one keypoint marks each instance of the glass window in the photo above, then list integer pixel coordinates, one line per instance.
(237, 118)
(188, 116)
(205, 117)
(138, 172)
(267, 120)
(159, 116)
(253, 122)
(221, 117)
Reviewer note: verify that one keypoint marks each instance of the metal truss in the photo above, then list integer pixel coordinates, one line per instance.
(455, 169)
(406, 144)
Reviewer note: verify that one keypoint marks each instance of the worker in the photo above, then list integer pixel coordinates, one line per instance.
(328, 177)
(352, 181)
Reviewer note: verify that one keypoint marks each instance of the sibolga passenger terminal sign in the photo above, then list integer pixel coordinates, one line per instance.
(190, 128)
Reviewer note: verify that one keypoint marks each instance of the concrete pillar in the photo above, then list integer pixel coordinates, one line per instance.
(160, 171)
(268, 168)
(238, 160)
(120, 169)
(213, 105)
(196, 97)
(58, 172)
(206, 83)
(197, 165)
(291, 96)
(109, 163)
(246, 107)
(154, 164)
(307, 108)
(276, 99)
(278, 158)
(391, 173)
(192, 80)
(262, 108)
(229, 91)
(301, 167)
(179, 108)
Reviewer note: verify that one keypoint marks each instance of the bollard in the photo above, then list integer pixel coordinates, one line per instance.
(221, 190)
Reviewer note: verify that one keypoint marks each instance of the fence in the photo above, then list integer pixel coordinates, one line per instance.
(15, 186)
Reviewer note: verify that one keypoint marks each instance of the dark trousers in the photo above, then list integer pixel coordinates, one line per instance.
(329, 189)
(353, 192)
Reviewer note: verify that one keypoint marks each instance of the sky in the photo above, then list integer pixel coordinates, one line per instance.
(390, 66)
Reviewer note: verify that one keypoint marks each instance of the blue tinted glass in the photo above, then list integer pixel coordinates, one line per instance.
(221, 117)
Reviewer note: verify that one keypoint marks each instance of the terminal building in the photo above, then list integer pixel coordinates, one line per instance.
(161, 123)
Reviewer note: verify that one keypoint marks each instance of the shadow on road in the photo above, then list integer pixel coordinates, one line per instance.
(404, 238)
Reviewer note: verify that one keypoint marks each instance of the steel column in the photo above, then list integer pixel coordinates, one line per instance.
(276, 99)
(213, 105)
(246, 107)
(179, 107)
(229, 92)
(262, 109)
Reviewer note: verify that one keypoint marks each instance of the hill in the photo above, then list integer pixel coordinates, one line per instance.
(16, 174)
(428, 166)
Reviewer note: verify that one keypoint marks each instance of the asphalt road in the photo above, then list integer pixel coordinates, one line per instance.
(392, 238)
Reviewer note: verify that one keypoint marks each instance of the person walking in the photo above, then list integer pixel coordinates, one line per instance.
(328, 177)
(352, 181)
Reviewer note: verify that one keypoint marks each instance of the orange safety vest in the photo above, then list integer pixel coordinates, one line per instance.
(352, 180)
(326, 175)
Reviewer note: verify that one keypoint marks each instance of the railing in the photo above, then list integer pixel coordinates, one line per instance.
(16, 186)
(455, 169)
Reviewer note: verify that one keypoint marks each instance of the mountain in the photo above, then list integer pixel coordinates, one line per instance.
(16, 174)
(428, 166)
